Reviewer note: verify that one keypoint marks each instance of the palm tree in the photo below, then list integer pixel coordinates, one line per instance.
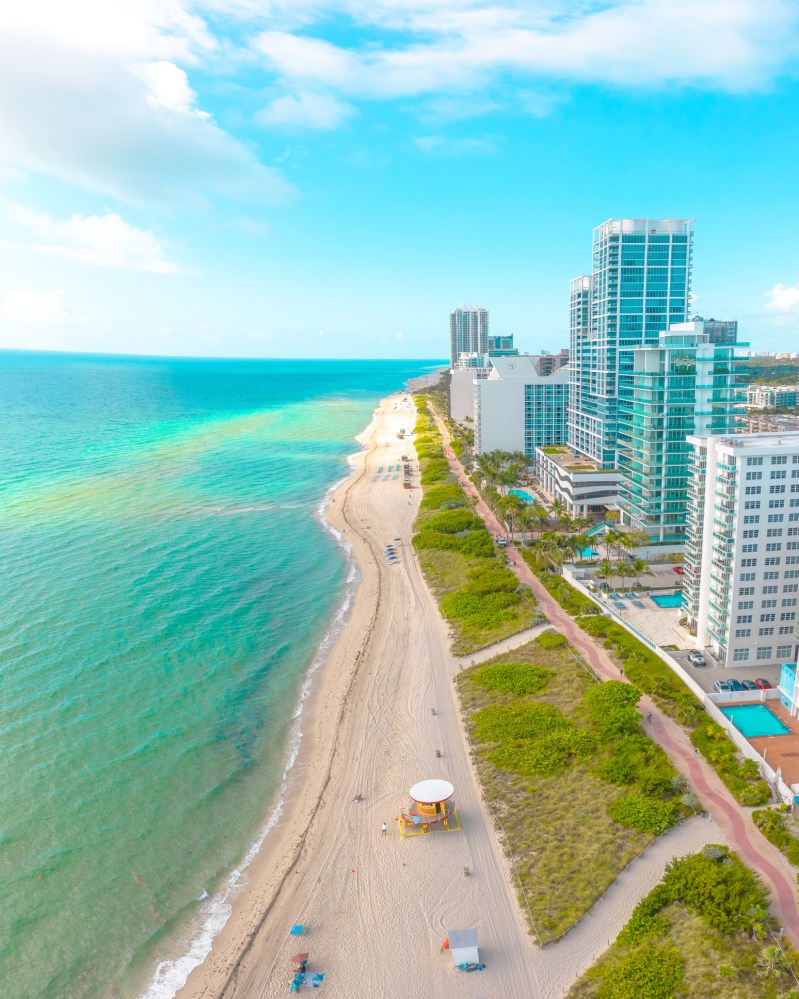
(581, 542)
(641, 568)
(758, 921)
(607, 570)
(610, 541)
(508, 507)
(773, 962)
(558, 510)
(539, 515)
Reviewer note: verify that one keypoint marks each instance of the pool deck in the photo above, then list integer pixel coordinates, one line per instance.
(779, 750)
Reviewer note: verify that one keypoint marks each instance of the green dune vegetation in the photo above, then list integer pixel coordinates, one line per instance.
(577, 787)
(703, 933)
(481, 599)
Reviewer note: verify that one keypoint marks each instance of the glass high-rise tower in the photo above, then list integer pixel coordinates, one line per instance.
(640, 284)
(468, 332)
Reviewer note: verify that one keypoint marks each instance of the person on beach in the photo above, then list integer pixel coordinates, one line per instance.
(384, 829)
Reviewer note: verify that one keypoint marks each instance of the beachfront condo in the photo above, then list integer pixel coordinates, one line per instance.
(741, 570)
(684, 385)
(468, 332)
(639, 285)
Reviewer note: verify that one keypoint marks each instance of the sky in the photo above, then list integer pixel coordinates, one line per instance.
(330, 178)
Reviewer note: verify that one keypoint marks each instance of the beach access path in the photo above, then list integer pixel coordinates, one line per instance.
(734, 820)
(377, 908)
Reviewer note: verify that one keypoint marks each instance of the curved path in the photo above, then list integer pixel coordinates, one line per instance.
(735, 821)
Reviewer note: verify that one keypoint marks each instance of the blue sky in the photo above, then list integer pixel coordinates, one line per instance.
(331, 177)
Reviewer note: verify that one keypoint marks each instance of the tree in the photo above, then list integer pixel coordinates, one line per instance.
(508, 507)
(625, 571)
(772, 962)
(641, 568)
(607, 570)
(611, 541)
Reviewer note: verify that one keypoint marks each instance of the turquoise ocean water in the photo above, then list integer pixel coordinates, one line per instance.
(165, 584)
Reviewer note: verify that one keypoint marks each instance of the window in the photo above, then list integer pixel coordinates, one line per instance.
(751, 534)
(792, 546)
(777, 489)
(743, 632)
(752, 519)
(786, 629)
(776, 504)
(772, 561)
(748, 563)
(748, 577)
(775, 518)
(748, 604)
(775, 532)
(792, 560)
(751, 504)
(754, 461)
(779, 459)
(766, 631)
(749, 548)
(769, 603)
(771, 575)
(768, 617)
(774, 546)
(793, 502)
(770, 589)
(793, 531)
(740, 655)
(764, 653)
(783, 651)
(788, 616)
(793, 516)
(744, 619)
(746, 591)
(789, 573)
(788, 602)
(790, 587)
(778, 474)
(752, 490)
(753, 476)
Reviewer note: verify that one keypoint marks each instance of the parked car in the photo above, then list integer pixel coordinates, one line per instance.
(763, 684)
(722, 686)
(735, 685)
(697, 659)
(749, 684)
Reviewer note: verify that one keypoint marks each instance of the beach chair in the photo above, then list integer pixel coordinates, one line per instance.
(297, 930)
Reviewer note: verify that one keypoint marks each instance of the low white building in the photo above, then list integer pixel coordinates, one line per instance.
(741, 570)
(578, 482)
(522, 404)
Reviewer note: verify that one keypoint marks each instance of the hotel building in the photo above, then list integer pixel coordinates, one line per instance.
(741, 569)
(522, 404)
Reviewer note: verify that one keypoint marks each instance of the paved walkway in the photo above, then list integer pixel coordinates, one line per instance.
(764, 859)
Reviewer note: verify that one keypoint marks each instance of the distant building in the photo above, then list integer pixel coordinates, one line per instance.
(521, 405)
(468, 332)
(500, 343)
(741, 569)
(686, 384)
(774, 423)
(639, 285)
(772, 396)
(461, 387)
(720, 331)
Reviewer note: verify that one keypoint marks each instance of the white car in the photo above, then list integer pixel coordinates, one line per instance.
(697, 659)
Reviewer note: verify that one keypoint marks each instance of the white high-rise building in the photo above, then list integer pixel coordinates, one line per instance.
(741, 571)
(468, 332)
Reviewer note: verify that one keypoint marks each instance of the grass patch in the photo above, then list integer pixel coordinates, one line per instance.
(546, 736)
(703, 933)
(774, 824)
(482, 601)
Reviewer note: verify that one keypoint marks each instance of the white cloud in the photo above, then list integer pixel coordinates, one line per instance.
(37, 308)
(444, 146)
(457, 45)
(783, 298)
(305, 109)
(399, 337)
(96, 93)
(101, 240)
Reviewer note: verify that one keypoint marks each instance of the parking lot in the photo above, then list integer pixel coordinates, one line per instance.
(706, 676)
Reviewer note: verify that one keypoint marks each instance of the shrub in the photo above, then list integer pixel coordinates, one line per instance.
(647, 815)
(435, 470)
(512, 678)
(545, 756)
(510, 722)
(712, 742)
(643, 973)
(452, 522)
(434, 539)
(636, 760)
(492, 581)
(611, 706)
(550, 640)
(481, 611)
(772, 824)
(478, 543)
(436, 496)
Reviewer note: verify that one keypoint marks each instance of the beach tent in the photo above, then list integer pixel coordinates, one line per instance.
(463, 946)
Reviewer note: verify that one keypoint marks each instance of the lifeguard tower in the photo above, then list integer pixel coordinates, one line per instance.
(431, 807)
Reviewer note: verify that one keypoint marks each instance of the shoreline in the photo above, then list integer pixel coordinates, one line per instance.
(285, 810)
(171, 975)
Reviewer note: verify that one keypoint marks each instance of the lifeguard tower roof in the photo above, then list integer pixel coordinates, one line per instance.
(428, 792)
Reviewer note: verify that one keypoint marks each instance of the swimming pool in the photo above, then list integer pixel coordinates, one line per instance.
(522, 494)
(667, 599)
(588, 553)
(755, 720)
